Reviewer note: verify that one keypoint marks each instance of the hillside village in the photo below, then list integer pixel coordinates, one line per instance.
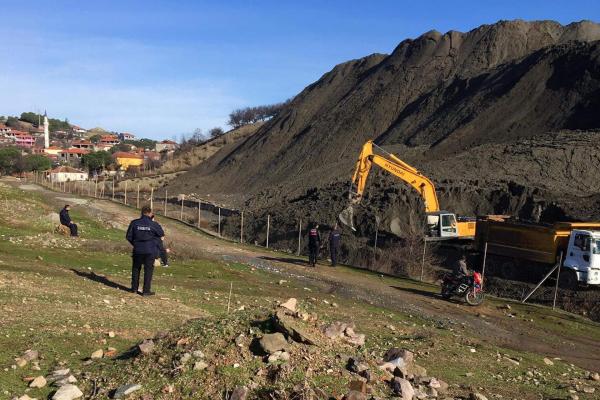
(73, 152)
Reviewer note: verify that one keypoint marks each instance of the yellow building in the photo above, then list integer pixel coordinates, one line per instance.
(127, 160)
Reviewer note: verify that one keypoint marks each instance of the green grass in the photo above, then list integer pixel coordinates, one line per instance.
(51, 304)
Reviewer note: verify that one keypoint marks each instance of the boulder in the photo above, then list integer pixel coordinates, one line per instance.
(200, 366)
(97, 354)
(67, 392)
(403, 389)
(395, 353)
(30, 355)
(62, 230)
(38, 382)
(273, 342)
(146, 346)
(290, 304)
(293, 329)
(477, 396)
(335, 330)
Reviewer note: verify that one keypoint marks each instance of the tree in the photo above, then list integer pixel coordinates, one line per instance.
(216, 132)
(250, 115)
(37, 162)
(97, 161)
(95, 138)
(9, 156)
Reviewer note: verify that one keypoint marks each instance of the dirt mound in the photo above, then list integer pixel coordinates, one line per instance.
(503, 118)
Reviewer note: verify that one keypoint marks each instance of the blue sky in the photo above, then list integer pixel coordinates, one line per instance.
(162, 68)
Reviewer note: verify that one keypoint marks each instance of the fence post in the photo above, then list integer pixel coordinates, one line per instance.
(125, 197)
(242, 228)
(166, 201)
(268, 228)
(152, 198)
(219, 221)
(557, 279)
(199, 213)
(113, 189)
(483, 266)
(299, 235)
(137, 199)
(423, 259)
(181, 210)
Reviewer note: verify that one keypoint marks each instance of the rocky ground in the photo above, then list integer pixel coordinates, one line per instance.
(238, 322)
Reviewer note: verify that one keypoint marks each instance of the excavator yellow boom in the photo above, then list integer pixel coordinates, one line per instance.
(440, 224)
(396, 167)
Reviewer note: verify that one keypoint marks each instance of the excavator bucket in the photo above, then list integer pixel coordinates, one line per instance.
(347, 217)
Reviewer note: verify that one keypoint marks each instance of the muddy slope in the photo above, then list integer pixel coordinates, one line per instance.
(503, 118)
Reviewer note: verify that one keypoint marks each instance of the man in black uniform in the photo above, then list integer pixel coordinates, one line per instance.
(314, 244)
(334, 244)
(143, 234)
(65, 219)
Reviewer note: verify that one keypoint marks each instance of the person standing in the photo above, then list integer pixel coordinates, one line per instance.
(143, 234)
(65, 219)
(314, 244)
(335, 238)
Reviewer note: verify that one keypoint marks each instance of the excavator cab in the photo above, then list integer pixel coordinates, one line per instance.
(442, 224)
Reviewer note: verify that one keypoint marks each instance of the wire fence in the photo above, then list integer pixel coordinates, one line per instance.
(241, 226)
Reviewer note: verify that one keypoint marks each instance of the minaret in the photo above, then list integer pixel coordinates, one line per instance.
(46, 131)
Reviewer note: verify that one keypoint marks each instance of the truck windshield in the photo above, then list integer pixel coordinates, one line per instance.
(596, 246)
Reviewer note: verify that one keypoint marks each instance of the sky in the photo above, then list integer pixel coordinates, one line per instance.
(162, 68)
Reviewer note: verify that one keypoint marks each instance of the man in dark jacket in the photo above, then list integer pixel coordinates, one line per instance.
(335, 238)
(460, 268)
(65, 219)
(143, 234)
(314, 244)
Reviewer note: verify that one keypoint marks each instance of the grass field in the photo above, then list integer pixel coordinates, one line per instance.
(62, 297)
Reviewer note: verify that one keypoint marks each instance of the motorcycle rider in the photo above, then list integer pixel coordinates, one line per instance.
(460, 267)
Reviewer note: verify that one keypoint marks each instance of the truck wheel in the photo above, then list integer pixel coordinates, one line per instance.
(509, 270)
(568, 279)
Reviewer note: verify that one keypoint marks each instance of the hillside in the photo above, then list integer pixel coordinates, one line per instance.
(185, 160)
(68, 318)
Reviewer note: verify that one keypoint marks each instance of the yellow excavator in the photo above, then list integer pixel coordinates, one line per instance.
(441, 225)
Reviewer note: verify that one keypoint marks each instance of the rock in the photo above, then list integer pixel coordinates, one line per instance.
(477, 396)
(358, 386)
(65, 381)
(353, 338)
(200, 366)
(147, 346)
(273, 358)
(97, 354)
(595, 376)
(416, 370)
(335, 330)
(185, 358)
(290, 304)
(25, 397)
(239, 393)
(293, 329)
(548, 361)
(38, 382)
(356, 366)
(572, 396)
(273, 342)
(589, 389)
(21, 362)
(67, 392)
(198, 354)
(395, 353)
(354, 395)
(284, 356)
(110, 352)
(439, 385)
(403, 388)
(126, 390)
(30, 355)
(111, 334)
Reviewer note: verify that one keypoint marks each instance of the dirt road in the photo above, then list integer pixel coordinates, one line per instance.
(522, 327)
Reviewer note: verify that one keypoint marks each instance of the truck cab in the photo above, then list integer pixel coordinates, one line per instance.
(582, 258)
(442, 225)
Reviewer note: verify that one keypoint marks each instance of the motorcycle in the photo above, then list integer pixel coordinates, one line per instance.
(468, 287)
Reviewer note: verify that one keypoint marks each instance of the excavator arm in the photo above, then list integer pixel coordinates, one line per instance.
(396, 167)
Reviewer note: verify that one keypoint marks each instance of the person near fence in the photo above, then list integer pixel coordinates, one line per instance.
(314, 244)
(65, 219)
(460, 267)
(163, 252)
(335, 238)
(143, 234)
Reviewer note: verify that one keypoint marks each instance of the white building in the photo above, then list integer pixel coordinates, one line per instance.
(67, 174)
